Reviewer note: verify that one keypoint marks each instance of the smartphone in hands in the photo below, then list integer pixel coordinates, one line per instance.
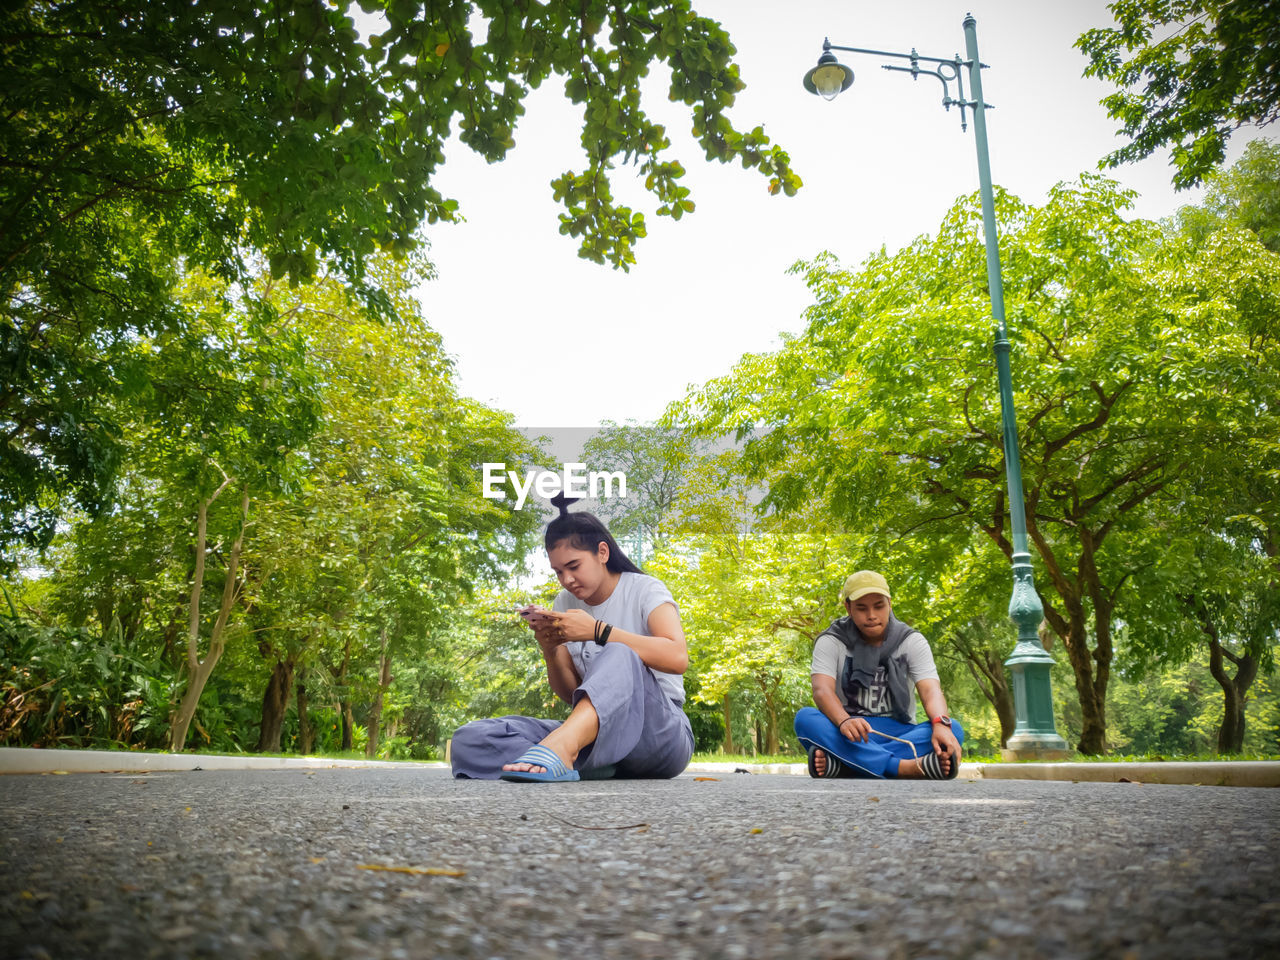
(533, 615)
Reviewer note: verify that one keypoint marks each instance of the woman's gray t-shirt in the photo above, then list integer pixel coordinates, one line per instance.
(635, 597)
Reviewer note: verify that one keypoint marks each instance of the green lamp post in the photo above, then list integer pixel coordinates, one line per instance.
(1034, 734)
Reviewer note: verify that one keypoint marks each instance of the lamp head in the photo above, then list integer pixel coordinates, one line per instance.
(830, 77)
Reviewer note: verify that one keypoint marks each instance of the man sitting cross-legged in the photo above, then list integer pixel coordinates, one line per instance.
(865, 666)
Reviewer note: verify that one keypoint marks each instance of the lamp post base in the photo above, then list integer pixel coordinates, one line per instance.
(1030, 747)
(1034, 735)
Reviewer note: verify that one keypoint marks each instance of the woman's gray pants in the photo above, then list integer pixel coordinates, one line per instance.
(642, 732)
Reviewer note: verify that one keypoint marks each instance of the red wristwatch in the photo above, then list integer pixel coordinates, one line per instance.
(942, 719)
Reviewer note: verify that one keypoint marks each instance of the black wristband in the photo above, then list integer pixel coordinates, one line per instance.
(603, 638)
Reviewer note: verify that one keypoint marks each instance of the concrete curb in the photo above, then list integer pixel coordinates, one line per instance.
(1229, 773)
(1241, 773)
(27, 760)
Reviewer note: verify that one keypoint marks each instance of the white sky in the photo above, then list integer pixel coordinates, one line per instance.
(563, 342)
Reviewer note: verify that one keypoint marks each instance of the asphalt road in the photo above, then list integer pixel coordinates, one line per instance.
(275, 864)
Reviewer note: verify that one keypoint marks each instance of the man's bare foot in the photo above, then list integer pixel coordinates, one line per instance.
(909, 770)
(552, 742)
(820, 761)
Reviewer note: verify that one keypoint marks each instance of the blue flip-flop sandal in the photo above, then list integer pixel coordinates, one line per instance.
(554, 770)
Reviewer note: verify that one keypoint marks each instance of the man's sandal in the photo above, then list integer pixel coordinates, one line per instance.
(931, 767)
(834, 767)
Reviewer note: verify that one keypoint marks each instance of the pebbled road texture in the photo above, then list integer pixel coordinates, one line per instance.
(271, 864)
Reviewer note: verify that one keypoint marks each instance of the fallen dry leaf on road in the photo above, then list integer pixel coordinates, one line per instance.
(716, 779)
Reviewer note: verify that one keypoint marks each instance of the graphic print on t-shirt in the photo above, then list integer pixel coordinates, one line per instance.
(873, 701)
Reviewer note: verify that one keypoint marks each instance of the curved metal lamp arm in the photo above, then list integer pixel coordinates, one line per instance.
(946, 71)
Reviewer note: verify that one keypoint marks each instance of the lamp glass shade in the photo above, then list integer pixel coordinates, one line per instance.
(828, 78)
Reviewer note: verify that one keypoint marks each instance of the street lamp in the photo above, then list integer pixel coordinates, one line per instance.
(1034, 734)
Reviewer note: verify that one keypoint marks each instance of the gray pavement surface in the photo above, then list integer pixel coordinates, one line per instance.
(274, 864)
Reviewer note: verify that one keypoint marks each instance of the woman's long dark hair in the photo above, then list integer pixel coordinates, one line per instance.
(584, 531)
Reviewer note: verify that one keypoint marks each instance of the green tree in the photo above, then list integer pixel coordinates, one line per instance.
(302, 503)
(228, 396)
(223, 133)
(656, 461)
(363, 561)
(751, 612)
(1245, 197)
(753, 595)
(962, 592)
(1235, 612)
(1190, 73)
(1218, 596)
(1138, 360)
(232, 400)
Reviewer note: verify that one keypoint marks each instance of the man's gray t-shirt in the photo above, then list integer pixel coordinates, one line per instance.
(635, 597)
(829, 655)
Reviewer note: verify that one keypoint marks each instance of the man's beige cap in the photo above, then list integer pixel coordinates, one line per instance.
(862, 583)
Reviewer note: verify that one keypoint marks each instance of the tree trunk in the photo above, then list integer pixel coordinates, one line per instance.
(1074, 632)
(375, 710)
(729, 745)
(1071, 624)
(306, 736)
(1103, 652)
(1093, 724)
(275, 700)
(348, 725)
(344, 699)
(1234, 689)
(770, 724)
(201, 670)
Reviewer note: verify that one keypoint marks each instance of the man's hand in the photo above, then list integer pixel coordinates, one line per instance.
(856, 729)
(945, 742)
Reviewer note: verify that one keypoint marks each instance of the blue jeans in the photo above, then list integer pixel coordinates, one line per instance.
(878, 757)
